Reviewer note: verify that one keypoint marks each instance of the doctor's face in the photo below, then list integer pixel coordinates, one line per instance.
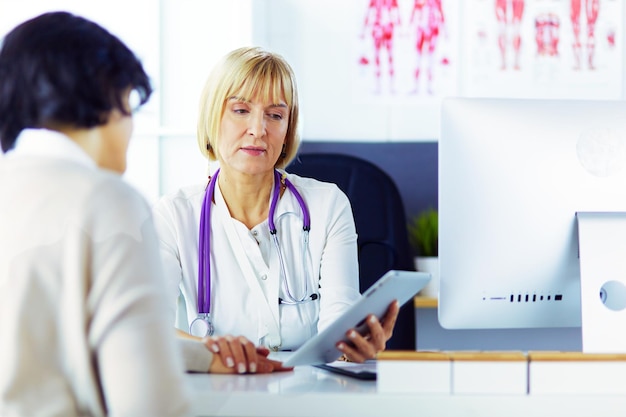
(252, 134)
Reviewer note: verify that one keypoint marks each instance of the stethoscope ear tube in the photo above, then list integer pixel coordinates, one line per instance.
(204, 250)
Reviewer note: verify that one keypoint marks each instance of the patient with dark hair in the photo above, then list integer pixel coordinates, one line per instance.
(83, 328)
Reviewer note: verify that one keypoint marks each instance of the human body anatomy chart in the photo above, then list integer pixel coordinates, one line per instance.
(542, 48)
(504, 48)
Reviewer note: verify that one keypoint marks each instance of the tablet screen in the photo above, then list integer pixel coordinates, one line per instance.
(394, 285)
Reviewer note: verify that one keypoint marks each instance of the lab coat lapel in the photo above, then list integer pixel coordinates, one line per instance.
(268, 309)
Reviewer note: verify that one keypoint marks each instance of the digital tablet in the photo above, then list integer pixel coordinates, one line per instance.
(365, 371)
(394, 285)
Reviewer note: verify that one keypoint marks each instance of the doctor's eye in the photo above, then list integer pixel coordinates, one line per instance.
(276, 116)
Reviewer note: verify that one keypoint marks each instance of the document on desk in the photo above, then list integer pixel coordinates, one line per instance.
(366, 370)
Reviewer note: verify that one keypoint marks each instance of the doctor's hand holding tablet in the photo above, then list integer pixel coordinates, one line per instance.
(253, 250)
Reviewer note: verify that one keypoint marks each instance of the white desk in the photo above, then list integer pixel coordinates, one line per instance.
(309, 391)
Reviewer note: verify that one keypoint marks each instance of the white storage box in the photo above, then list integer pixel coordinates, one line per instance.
(413, 372)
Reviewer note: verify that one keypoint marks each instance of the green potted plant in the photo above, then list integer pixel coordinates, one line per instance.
(424, 233)
(424, 238)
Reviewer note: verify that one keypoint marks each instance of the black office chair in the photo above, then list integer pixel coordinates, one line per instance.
(380, 224)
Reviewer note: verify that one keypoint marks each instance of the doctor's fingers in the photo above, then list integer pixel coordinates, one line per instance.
(263, 351)
(389, 320)
(359, 348)
(239, 353)
(377, 337)
(211, 344)
(267, 365)
(351, 352)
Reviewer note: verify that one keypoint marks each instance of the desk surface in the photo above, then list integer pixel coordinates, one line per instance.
(308, 391)
(425, 302)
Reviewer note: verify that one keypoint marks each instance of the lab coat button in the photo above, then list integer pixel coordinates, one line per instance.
(263, 277)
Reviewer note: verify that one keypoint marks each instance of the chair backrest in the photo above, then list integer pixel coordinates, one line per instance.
(380, 223)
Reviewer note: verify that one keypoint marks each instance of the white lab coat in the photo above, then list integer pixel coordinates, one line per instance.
(82, 331)
(249, 306)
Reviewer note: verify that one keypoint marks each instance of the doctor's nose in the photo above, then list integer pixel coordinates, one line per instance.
(256, 125)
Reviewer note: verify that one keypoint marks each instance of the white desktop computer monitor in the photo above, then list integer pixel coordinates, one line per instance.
(513, 173)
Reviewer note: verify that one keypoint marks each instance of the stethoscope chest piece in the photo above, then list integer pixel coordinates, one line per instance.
(202, 326)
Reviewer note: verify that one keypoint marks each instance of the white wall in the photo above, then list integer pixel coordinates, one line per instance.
(194, 35)
(179, 40)
(321, 40)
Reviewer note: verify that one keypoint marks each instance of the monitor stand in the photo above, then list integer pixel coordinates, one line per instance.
(602, 255)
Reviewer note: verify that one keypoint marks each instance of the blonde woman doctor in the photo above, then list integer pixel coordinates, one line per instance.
(256, 251)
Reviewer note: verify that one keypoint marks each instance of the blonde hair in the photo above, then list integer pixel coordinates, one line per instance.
(248, 72)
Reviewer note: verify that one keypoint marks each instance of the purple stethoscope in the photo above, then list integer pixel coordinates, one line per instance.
(202, 325)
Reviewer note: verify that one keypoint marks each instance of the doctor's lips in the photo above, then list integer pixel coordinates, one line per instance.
(253, 149)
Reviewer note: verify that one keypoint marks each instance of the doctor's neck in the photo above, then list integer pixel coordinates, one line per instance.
(247, 196)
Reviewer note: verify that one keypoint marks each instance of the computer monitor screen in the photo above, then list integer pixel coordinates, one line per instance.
(513, 173)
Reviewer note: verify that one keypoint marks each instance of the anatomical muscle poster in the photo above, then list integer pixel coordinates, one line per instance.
(542, 48)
